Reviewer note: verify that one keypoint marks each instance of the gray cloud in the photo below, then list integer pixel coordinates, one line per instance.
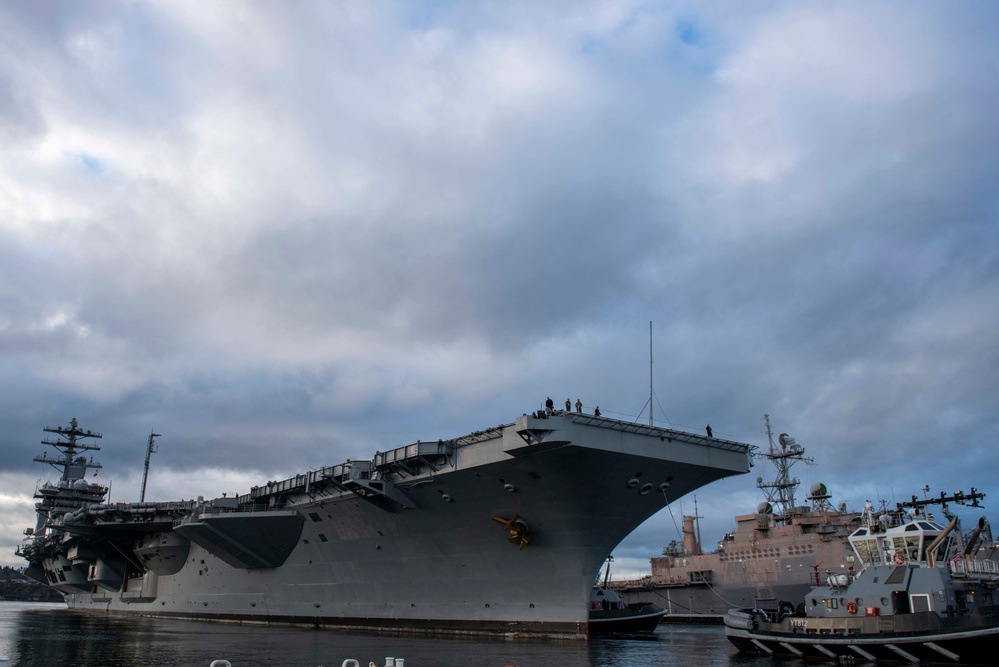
(285, 235)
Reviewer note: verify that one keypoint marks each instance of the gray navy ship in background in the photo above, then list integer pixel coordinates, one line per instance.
(499, 531)
(780, 552)
(774, 554)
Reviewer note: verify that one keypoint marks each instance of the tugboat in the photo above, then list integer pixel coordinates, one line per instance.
(609, 614)
(920, 597)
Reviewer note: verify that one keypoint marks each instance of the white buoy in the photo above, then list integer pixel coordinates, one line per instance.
(220, 663)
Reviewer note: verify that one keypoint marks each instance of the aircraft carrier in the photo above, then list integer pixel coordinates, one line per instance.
(501, 531)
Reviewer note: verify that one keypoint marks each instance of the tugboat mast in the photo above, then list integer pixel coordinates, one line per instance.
(961, 498)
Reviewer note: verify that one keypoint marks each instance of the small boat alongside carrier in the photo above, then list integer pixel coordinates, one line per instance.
(919, 597)
(610, 614)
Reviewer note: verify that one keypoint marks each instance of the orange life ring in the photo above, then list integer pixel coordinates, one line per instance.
(851, 607)
(898, 558)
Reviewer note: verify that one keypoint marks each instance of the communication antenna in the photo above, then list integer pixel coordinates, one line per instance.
(651, 392)
(780, 491)
(150, 448)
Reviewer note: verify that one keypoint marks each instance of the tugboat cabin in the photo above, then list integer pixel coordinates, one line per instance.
(907, 543)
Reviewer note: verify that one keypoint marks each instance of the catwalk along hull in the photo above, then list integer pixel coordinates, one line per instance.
(500, 531)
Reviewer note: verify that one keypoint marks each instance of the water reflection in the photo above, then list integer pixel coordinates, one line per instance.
(34, 635)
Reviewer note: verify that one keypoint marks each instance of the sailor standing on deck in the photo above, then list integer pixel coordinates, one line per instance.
(708, 429)
(549, 405)
(568, 405)
(579, 406)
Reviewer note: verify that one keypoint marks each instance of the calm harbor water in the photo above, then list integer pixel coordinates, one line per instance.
(47, 635)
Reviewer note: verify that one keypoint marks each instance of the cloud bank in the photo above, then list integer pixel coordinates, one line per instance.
(285, 235)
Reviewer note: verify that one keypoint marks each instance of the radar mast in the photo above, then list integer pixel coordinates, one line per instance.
(780, 491)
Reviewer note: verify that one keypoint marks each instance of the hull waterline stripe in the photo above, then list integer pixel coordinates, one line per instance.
(615, 619)
(879, 641)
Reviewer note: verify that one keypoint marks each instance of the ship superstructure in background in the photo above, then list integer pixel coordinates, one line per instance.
(499, 531)
(773, 554)
(920, 594)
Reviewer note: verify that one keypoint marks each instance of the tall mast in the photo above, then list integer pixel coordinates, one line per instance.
(74, 441)
(780, 491)
(770, 433)
(150, 448)
(650, 372)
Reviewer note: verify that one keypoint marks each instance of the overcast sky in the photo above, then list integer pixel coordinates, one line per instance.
(287, 234)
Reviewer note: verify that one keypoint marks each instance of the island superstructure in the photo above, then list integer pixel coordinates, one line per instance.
(498, 531)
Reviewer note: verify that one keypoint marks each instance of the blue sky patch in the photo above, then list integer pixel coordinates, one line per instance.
(688, 32)
(92, 164)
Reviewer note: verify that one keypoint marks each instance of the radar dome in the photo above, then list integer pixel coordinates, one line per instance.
(818, 489)
(759, 480)
(764, 508)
